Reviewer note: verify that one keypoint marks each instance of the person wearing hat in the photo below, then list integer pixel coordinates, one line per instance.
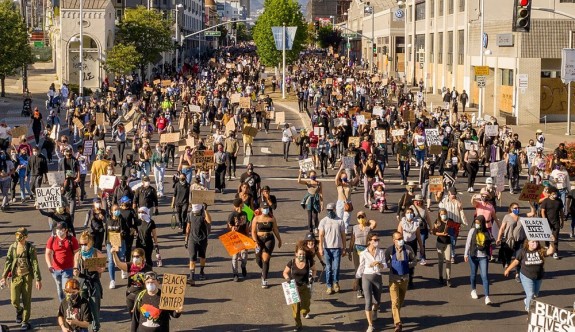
(332, 244)
(404, 151)
(196, 239)
(74, 313)
(147, 310)
(264, 232)
(454, 209)
(492, 190)
(358, 243)
(406, 199)
(483, 207)
(22, 266)
(147, 237)
(59, 256)
(146, 196)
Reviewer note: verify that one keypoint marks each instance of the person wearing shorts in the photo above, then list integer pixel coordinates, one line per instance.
(197, 230)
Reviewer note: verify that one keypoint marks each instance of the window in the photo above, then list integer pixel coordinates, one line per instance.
(440, 48)
(450, 7)
(119, 14)
(507, 77)
(420, 11)
(409, 14)
(566, 1)
(461, 5)
(440, 10)
(431, 8)
(461, 47)
(431, 48)
(450, 48)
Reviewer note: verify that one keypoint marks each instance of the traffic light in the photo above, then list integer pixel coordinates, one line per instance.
(522, 16)
(374, 49)
(316, 25)
(384, 49)
(234, 24)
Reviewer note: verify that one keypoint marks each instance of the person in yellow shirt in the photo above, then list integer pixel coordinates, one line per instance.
(99, 167)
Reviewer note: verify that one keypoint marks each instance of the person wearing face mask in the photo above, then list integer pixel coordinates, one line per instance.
(59, 256)
(196, 239)
(371, 265)
(181, 200)
(135, 269)
(22, 266)
(99, 168)
(302, 271)
(332, 245)
(443, 245)
(560, 177)
(90, 285)
(507, 237)
(6, 173)
(220, 160)
(146, 196)
(343, 186)
(122, 190)
(147, 238)
(552, 209)
(95, 221)
(477, 252)
(36, 170)
(410, 228)
(358, 243)
(59, 215)
(422, 215)
(83, 163)
(454, 209)
(115, 225)
(400, 258)
(531, 259)
(404, 151)
(264, 232)
(312, 201)
(483, 207)
(22, 158)
(513, 170)
(74, 314)
(238, 222)
(147, 315)
(254, 181)
(494, 195)
(406, 199)
(471, 159)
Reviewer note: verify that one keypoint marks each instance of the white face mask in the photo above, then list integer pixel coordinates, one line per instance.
(443, 217)
(477, 226)
(144, 217)
(137, 260)
(401, 243)
(151, 287)
(375, 243)
(97, 205)
(60, 233)
(409, 216)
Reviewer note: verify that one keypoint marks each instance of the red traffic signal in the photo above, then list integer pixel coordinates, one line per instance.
(522, 16)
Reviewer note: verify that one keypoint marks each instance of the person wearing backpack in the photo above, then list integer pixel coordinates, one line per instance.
(22, 266)
(60, 251)
(477, 254)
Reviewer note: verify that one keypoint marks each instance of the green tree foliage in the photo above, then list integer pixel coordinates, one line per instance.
(15, 51)
(243, 33)
(327, 37)
(277, 12)
(122, 59)
(148, 31)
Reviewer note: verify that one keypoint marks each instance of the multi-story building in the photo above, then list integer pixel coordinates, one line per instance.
(317, 9)
(228, 10)
(444, 45)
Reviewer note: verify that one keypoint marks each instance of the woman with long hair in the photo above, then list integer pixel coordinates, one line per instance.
(301, 269)
(443, 245)
(136, 267)
(371, 265)
(264, 233)
(312, 201)
(477, 254)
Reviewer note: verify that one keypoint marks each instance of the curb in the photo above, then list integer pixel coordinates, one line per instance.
(306, 121)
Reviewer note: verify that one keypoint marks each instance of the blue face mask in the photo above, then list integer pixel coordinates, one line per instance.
(313, 177)
(266, 211)
(515, 212)
(117, 213)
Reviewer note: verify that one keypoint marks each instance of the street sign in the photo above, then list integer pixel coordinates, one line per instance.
(481, 70)
(349, 35)
(213, 33)
(481, 81)
(38, 44)
(568, 65)
(523, 81)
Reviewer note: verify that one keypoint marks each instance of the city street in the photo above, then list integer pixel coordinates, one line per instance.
(219, 304)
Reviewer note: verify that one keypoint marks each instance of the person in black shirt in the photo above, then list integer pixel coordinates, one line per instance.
(147, 315)
(301, 270)
(122, 190)
(552, 209)
(74, 313)
(135, 268)
(196, 239)
(181, 199)
(36, 169)
(237, 222)
(146, 196)
(254, 180)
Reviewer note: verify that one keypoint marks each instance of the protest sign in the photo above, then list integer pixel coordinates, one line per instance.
(536, 229)
(531, 192)
(173, 291)
(270, 115)
(187, 142)
(107, 182)
(156, 82)
(134, 185)
(88, 147)
(148, 89)
(100, 119)
(235, 99)
(245, 102)
(204, 159)
(55, 132)
(380, 136)
(491, 130)
(367, 115)
(293, 131)
(280, 118)
(195, 108)
(101, 144)
(112, 89)
(55, 178)
(373, 124)
(497, 171)
(170, 138)
(348, 162)
(360, 119)
(231, 126)
(95, 263)
(19, 131)
(318, 131)
(377, 111)
(339, 122)
(306, 165)
(128, 127)
(531, 153)
(79, 124)
(222, 81)
(166, 83)
(115, 239)
(235, 242)
(470, 144)
(329, 80)
(398, 132)
(290, 292)
(545, 317)
(48, 198)
(436, 184)
(203, 197)
(353, 140)
(432, 137)
(250, 131)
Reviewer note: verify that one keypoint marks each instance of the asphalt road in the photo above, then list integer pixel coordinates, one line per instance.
(219, 304)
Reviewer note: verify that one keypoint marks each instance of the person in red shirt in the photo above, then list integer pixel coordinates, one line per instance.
(161, 123)
(313, 140)
(60, 251)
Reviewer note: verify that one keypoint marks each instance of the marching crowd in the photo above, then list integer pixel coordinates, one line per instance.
(363, 126)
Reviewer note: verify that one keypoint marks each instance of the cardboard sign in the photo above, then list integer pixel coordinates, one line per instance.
(173, 291)
(436, 184)
(545, 317)
(231, 126)
(222, 81)
(170, 138)
(235, 98)
(354, 141)
(348, 162)
(100, 119)
(203, 197)
(55, 178)
(432, 137)
(398, 132)
(497, 171)
(106, 182)
(204, 159)
(95, 263)
(360, 119)
(339, 122)
(536, 229)
(79, 124)
(195, 108)
(48, 198)
(156, 82)
(101, 144)
(435, 149)
(380, 136)
(306, 165)
(290, 292)
(531, 192)
(148, 89)
(88, 147)
(166, 83)
(318, 131)
(19, 131)
(245, 102)
(235, 242)
(377, 111)
(112, 89)
(250, 131)
(130, 114)
(329, 80)
(373, 124)
(469, 144)
(115, 239)
(367, 115)
(491, 130)
(280, 118)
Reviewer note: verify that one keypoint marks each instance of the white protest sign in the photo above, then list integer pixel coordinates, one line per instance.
(134, 185)
(545, 317)
(318, 131)
(432, 136)
(360, 119)
(107, 182)
(55, 178)
(348, 162)
(306, 165)
(378, 111)
(398, 132)
(195, 108)
(380, 136)
(536, 229)
(531, 153)
(290, 292)
(491, 130)
(470, 143)
(48, 198)
(497, 171)
(339, 122)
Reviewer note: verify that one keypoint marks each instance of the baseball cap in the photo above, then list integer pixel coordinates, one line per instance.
(146, 178)
(309, 237)
(330, 206)
(125, 199)
(489, 180)
(23, 231)
(418, 197)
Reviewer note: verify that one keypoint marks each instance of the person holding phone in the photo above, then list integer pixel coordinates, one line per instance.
(74, 314)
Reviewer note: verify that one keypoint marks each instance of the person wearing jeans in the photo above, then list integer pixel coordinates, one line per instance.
(477, 254)
(404, 150)
(60, 250)
(332, 245)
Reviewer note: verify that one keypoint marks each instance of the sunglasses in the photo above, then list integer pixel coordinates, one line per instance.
(151, 276)
(136, 256)
(83, 244)
(361, 216)
(375, 239)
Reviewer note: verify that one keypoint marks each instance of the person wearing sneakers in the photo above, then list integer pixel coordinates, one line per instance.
(136, 267)
(454, 209)
(238, 222)
(22, 266)
(409, 227)
(552, 209)
(196, 239)
(471, 159)
(492, 190)
(483, 206)
(477, 254)
(406, 199)
(332, 244)
(441, 230)
(264, 233)
(301, 269)
(424, 218)
(358, 243)
(59, 256)
(371, 264)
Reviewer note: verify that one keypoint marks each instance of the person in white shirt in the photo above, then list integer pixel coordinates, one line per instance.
(539, 139)
(560, 177)
(5, 135)
(371, 264)
(287, 138)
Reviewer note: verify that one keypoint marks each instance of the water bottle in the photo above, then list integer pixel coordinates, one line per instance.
(159, 260)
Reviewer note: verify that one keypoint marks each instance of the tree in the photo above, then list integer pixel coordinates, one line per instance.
(242, 33)
(15, 51)
(277, 12)
(122, 59)
(148, 31)
(327, 37)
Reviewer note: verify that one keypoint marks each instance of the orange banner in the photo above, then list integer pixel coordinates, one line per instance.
(235, 242)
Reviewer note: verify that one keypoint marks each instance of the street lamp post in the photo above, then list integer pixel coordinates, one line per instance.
(81, 69)
(481, 47)
(178, 7)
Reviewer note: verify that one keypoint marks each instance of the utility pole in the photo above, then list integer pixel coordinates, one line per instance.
(81, 71)
(372, 37)
(482, 22)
